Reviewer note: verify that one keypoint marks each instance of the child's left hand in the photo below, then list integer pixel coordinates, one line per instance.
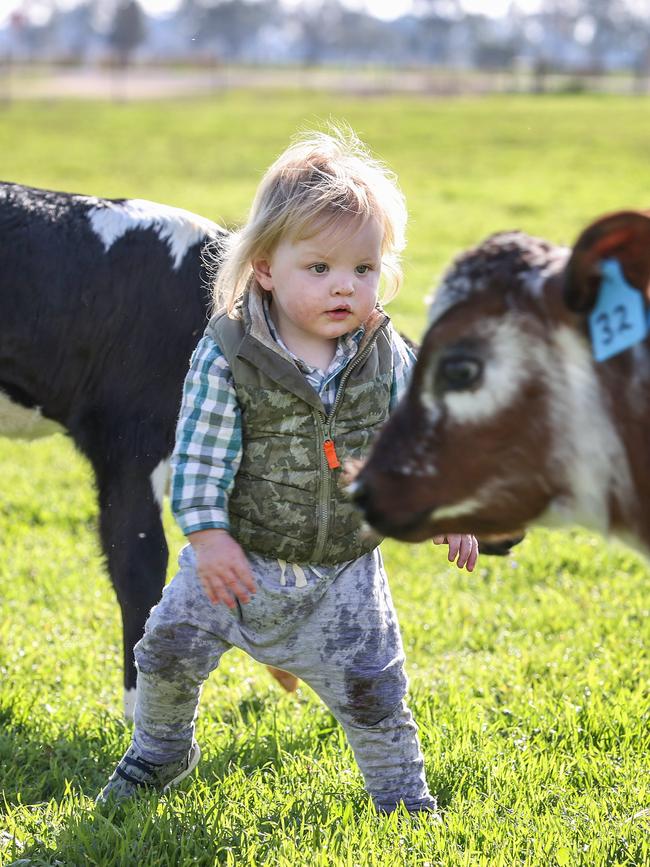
(462, 548)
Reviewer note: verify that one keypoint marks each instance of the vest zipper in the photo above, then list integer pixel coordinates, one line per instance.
(324, 429)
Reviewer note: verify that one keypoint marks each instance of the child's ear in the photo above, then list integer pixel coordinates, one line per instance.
(262, 271)
(624, 236)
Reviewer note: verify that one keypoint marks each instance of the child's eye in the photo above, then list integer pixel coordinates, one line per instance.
(318, 268)
(362, 269)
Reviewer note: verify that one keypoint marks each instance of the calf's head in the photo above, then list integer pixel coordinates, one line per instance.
(506, 421)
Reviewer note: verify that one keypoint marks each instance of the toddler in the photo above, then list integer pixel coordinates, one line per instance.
(296, 373)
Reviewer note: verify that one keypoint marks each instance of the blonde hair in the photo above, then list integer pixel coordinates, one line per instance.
(318, 179)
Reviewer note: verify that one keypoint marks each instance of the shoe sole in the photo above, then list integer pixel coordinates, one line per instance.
(193, 760)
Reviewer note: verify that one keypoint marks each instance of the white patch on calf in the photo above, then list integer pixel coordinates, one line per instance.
(452, 287)
(504, 371)
(180, 229)
(551, 262)
(457, 510)
(488, 493)
(585, 444)
(160, 481)
(430, 402)
(19, 422)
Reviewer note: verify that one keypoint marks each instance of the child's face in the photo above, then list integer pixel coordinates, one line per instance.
(323, 286)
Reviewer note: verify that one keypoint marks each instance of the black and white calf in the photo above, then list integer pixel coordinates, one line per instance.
(101, 304)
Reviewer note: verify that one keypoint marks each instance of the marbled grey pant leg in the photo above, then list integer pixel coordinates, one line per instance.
(178, 651)
(389, 756)
(353, 658)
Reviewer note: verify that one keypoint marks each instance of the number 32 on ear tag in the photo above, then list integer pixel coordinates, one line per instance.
(619, 319)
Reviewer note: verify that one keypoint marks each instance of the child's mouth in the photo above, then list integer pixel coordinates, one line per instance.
(339, 312)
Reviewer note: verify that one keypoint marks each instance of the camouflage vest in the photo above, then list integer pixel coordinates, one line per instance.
(287, 501)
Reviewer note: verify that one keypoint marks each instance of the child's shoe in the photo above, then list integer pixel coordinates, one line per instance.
(134, 774)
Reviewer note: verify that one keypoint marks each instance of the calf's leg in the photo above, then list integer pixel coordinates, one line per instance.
(136, 554)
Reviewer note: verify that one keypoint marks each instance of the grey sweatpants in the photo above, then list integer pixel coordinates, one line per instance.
(333, 627)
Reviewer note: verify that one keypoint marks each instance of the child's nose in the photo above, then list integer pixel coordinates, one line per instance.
(345, 284)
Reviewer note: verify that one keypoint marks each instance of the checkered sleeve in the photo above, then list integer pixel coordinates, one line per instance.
(403, 361)
(208, 446)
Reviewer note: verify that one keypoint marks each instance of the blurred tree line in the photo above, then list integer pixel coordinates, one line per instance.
(591, 36)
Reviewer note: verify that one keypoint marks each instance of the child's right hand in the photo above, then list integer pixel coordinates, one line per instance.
(222, 567)
(463, 549)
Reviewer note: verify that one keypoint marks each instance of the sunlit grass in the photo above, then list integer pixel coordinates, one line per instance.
(529, 678)
(529, 681)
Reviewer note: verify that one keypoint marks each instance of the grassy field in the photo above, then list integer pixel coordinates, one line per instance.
(529, 678)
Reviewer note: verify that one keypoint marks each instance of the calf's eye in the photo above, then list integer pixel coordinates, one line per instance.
(458, 374)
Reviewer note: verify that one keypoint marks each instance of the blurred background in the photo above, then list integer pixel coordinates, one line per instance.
(125, 49)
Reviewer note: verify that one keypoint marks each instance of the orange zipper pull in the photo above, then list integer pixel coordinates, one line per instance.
(330, 454)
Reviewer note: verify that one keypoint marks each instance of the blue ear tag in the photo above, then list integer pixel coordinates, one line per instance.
(619, 319)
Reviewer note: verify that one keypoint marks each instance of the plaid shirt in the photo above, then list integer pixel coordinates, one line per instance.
(208, 446)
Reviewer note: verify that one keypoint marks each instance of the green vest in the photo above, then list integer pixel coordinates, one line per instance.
(287, 501)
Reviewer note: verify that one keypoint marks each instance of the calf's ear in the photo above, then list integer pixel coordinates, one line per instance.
(625, 236)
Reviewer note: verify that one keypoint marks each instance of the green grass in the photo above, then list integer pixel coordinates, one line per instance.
(529, 678)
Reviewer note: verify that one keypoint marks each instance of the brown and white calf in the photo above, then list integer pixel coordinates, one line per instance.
(509, 420)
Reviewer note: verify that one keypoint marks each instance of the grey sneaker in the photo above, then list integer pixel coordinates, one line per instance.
(134, 774)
